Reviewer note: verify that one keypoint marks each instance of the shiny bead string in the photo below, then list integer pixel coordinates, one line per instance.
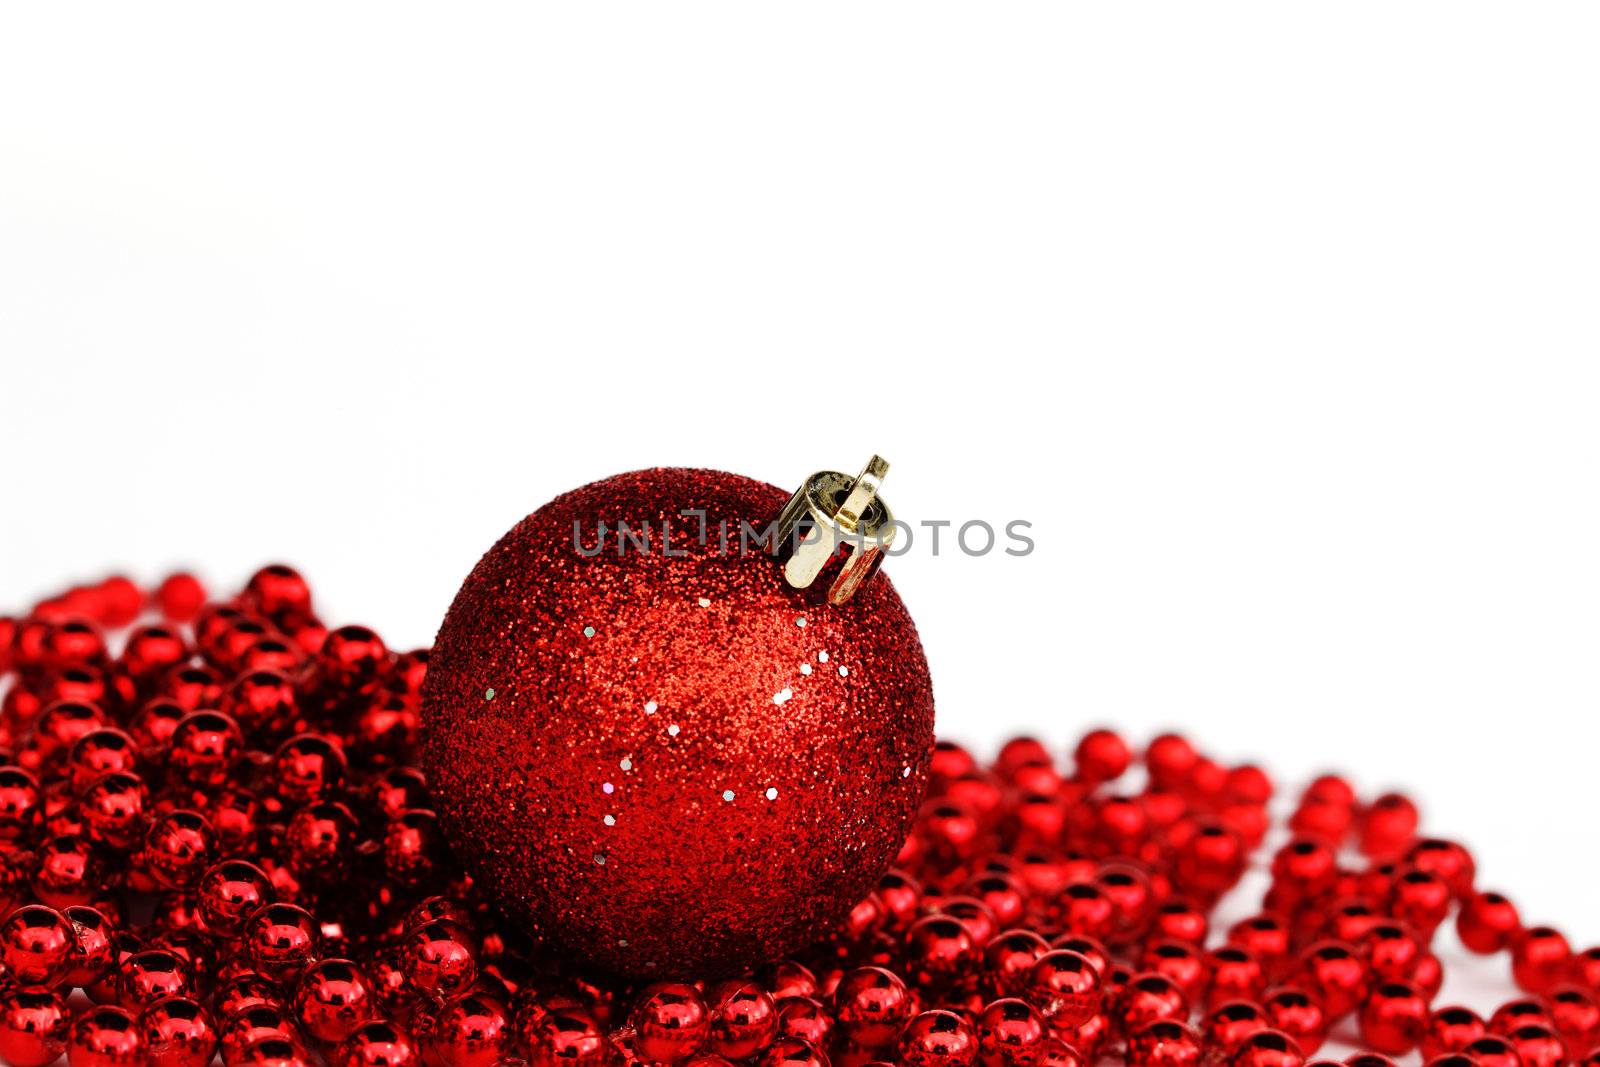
(214, 840)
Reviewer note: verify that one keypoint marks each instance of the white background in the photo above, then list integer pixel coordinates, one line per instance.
(1278, 322)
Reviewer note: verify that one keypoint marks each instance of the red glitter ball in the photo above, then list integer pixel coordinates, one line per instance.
(667, 759)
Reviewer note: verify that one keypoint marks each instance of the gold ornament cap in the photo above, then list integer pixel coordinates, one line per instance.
(830, 516)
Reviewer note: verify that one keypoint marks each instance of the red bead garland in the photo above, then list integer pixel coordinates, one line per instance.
(215, 830)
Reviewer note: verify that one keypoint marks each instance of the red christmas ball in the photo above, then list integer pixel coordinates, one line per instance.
(655, 751)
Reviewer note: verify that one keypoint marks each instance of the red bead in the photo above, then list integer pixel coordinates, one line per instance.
(320, 838)
(100, 752)
(1009, 957)
(151, 651)
(1394, 1018)
(1267, 1048)
(1583, 970)
(744, 1019)
(249, 1024)
(1151, 998)
(1487, 922)
(33, 1026)
(793, 1052)
(180, 596)
(36, 945)
(1369, 1059)
(1538, 1045)
(1065, 987)
(1333, 973)
(1492, 1051)
(1576, 1017)
(1132, 899)
(440, 958)
(938, 949)
(280, 939)
(272, 1050)
(1389, 826)
(204, 748)
(333, 1000)
(1003, 895)
(1181, 963)
(1181, 920)
(1420, 899)
(1234, 975)
(352, 657)
(1520, 1012)
(1011, 1033)
(474, 1031)
(1540, 957)
(308, 768)
(245, 989)
(1322, 821)
(872, 1006)
(1391, 951)
(1449, 861)
(568, 1038)
(1055, 1052)
(938, 1039)
(1299, 1015)
(671, 1023)
(1084, 908)
(398, 790)
(805, 1018)
(192, 687)
(1165, 1043)
(261, 702)
(1170, 759)
(1102, 756)
(94, 947)
(1304, 869)
(105, 1036)
(21, 805)
(1227, 1025)
(377, 1044)
(1210, 860)
(1451, 1059)
(179, 847)
(1449, 1030)
(178, 1033)
(147, 976)
(276, 590)
(60, 726)
(230, 892)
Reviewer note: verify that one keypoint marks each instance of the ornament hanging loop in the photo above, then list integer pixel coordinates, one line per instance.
(834, 517)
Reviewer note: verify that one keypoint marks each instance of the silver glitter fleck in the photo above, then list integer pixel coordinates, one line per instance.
(782, 696)
(611, 820)
(727, 794)
(588, 631)
(801, 622)
(622, 942)
(805, 668)
(626, 764)
(600, 858)
(488, 694)
(905, 772)
(822, 657)
(672, 731)
(772, 792)
(608, 788)
(650, 708)
(703, 602)
(844, 672)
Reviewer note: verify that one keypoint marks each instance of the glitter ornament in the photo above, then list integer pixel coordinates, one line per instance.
(657, 751)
